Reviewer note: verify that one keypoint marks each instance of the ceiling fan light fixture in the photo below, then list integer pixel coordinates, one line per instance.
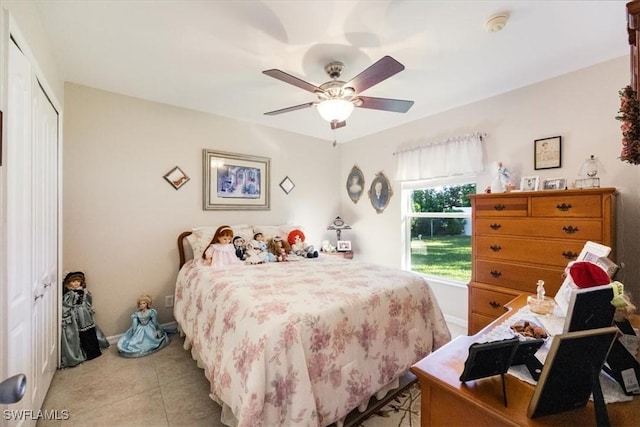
(335, 110)
(496, 22)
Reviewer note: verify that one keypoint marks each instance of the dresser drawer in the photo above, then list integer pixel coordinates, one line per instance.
(489, 302)
(587, 206)
(570, 228)
(497, 206)
(518, 276)
(476, 323)
(531, 251)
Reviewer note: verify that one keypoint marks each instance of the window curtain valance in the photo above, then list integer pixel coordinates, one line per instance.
(463, 155)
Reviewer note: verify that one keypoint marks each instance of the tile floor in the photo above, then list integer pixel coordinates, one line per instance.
(163, 389)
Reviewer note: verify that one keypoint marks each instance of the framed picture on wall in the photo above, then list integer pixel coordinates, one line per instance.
(380, 192)
(176, 177)
(355, 184)
(235, 181)
(547, 153)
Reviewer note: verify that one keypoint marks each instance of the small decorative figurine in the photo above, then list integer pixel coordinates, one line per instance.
(499, 183)
(145, 336)
(81, 338)
(540, 304)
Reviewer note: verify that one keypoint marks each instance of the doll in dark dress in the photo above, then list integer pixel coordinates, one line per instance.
(81, 338)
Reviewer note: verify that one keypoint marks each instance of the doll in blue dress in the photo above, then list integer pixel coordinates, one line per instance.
(145, 336)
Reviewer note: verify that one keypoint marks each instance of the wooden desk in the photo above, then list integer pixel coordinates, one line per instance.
(446, 401)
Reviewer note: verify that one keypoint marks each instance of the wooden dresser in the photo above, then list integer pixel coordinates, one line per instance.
(521, 237)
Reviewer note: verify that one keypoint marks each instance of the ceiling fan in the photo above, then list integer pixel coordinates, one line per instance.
(337, 99)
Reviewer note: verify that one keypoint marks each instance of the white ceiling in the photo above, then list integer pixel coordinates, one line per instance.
(209, 55)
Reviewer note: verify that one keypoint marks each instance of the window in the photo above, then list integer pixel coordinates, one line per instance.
(438, 230)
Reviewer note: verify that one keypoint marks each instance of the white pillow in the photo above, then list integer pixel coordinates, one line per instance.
(200, 237)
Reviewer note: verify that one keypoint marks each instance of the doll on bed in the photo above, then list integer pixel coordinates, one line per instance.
(264, 252)
(145, 336)
(220, 252)
(280, 248)
(299, 247)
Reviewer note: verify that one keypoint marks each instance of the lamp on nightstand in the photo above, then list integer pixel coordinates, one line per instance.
(338, 224)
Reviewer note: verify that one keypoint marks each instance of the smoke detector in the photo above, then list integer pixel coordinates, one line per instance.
(496, 22)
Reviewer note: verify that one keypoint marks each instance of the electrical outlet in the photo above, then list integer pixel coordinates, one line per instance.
(168, 301)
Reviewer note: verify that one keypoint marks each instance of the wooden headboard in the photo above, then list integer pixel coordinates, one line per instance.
(181, 245)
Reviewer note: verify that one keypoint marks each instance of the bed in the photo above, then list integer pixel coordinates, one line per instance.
(303, 343)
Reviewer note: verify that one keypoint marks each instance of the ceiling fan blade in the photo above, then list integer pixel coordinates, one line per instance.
(286, 110)
(379, 71)
(292, 80)
(338, 125)
(386, 104)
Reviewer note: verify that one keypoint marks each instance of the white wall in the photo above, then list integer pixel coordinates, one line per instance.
(121, 218)
(580, 106)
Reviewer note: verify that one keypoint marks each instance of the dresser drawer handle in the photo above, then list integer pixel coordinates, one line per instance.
(494, 304)
(570, 229)
(496, 273)
(495, 226)
(499, 207)
(570, 255)
(495, 248)
(564, 207)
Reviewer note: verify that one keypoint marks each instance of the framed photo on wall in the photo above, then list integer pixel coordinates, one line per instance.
(380, 192)
(176, 177)
(234, 181)
(355, 184)
(547, 153)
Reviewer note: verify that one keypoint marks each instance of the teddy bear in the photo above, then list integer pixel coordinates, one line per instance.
(299, 247)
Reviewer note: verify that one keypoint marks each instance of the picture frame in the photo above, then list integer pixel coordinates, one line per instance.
(570, 373)
(355, 184)
(489, 359)
(547, 153)
(380, 192)
(233, 181)
(343, 245)
(287, 185)
(176, 177)
(529, 183)
(554, 184)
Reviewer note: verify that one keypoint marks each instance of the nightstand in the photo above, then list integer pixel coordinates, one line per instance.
(344, 254)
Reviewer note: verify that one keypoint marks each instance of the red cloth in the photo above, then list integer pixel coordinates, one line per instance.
(587, 274)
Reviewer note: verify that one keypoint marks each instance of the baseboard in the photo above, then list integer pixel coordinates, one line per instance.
(169, 327)
(456, 320)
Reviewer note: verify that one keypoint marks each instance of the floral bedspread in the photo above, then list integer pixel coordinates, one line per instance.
(303, 343)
